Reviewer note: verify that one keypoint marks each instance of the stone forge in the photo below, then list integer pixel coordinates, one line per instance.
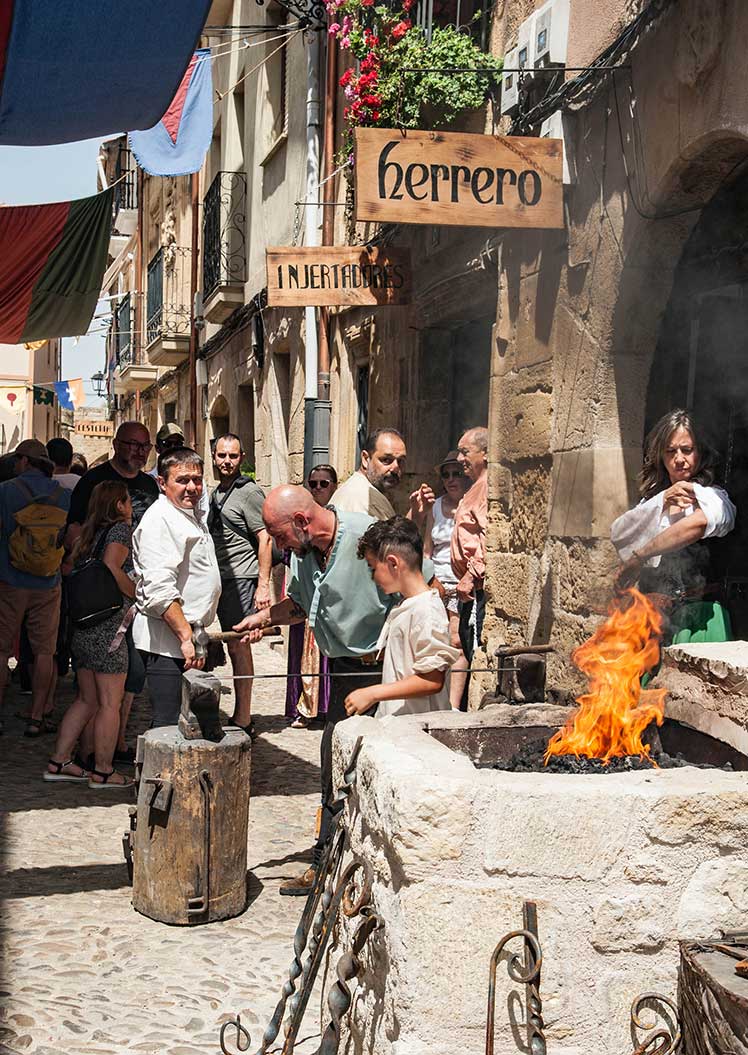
(621, 866)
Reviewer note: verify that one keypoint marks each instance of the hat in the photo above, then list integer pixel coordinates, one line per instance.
(31, 449)
(169, 429)
(451, 457)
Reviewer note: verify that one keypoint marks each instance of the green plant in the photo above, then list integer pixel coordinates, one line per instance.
(402, 80)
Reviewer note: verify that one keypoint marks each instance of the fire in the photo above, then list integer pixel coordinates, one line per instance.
(615, 711)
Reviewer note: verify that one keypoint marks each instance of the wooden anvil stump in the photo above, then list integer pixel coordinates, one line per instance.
(190, 841)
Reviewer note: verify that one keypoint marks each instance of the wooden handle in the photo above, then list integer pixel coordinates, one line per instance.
(237, 635)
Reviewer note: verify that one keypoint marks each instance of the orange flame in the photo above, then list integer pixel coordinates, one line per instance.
(615, 712)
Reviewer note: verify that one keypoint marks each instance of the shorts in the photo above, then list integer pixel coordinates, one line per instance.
(42, 611)
(237, 601)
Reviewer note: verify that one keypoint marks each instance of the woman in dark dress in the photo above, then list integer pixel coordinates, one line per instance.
(100, 651)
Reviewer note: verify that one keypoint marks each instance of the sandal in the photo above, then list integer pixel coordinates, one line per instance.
(300, 723)
(248, 729)
(107, 782)
(35, 727)
(60, 774)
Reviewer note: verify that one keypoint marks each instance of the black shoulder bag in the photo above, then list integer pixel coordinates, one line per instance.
(92, 591)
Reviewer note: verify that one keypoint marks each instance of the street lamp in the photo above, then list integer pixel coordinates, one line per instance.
(99, 383)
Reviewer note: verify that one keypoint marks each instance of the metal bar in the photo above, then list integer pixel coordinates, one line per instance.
(518, 972)
(507, 69)
(357, 674)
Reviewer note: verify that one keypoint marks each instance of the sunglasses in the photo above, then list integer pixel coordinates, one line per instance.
(452, 474)
(145, 447)
(315, 484)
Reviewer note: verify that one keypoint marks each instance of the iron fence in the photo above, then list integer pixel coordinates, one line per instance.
(168, 294)
(125, 190)
(224, 239)
(124, 345)
(467, 16)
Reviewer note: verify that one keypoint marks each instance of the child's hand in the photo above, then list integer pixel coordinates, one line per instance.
(358, 702)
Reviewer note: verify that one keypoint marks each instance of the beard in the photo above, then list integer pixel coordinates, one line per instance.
(303, 544)
(382, 481)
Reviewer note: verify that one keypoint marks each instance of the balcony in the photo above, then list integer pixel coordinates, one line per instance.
(125, 204)
(224, 256)
(129, 376)
(168, 306)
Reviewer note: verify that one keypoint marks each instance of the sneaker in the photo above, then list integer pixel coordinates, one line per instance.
(299, 886)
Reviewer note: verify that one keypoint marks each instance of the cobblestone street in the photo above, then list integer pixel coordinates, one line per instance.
(82, 971)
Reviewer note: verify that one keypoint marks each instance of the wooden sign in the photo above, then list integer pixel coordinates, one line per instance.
(458, 179)
(326, 275)
(97, 427)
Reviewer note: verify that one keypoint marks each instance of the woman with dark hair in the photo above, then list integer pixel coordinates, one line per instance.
(663, 541)
(100, 651)
(307, 698)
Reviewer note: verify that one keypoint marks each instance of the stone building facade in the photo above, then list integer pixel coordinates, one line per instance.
(633, 310)
(568, 344)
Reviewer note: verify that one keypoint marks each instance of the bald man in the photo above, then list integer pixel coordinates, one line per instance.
(346, 612)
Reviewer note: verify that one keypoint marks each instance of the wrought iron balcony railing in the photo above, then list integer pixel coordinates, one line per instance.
(467, 16)
(124, 344)
(126, 190)
(168, 296)
(224, 245)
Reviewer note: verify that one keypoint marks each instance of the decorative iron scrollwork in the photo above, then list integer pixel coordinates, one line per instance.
(661, 1039)
(224, 237)
(525, 970)
(349, 892)
(311, 14)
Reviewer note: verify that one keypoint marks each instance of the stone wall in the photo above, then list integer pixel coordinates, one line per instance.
(620, 866)
(580, 313)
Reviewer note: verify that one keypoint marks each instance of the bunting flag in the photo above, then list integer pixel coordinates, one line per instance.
(177, 145)
(43, 396)
(70, 393)
(58, 80)
(52, 261)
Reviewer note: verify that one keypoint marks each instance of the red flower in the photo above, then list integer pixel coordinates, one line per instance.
(401, 29)
(345, 79)
(407, 4)
(372, 100)
(375, 115)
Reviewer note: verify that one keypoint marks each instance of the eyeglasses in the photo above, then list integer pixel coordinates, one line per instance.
(455, 474)
(145, 447)
(318, 484)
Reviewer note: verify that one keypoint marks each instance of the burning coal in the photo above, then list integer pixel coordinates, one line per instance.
(615, 711)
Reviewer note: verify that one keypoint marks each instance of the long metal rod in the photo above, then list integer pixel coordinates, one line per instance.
(195, 185)
(353, 674)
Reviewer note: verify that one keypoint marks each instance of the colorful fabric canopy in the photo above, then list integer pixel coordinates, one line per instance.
(52, 261)
(177, 145)
(71, 70)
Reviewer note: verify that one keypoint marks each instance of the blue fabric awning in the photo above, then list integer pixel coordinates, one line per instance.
(76, 69)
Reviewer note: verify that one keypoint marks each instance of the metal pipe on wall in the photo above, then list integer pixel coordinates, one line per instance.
(311, 236)
(193, 295)
(323, 408)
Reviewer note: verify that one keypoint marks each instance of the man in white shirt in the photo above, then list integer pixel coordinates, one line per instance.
(178, 581)
(380, 472)
(60, 453)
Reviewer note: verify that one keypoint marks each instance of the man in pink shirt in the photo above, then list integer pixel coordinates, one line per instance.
(468, 549)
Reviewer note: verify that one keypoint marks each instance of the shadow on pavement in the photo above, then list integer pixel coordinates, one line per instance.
(62, 879)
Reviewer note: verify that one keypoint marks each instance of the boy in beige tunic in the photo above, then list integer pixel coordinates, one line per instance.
(415, 636)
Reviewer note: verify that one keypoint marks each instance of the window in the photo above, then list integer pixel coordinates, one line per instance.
(362, 396)
(170, 412)
(275, 87)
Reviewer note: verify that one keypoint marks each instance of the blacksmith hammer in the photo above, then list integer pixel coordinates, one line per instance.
(201, 638)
